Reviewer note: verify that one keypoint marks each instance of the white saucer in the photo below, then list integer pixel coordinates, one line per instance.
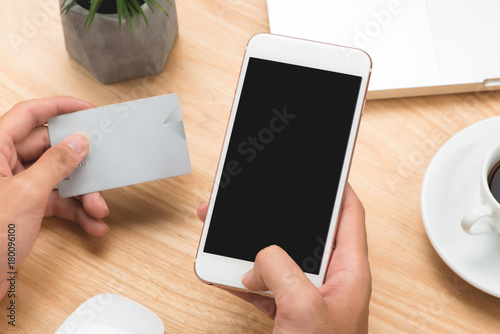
(449, 190)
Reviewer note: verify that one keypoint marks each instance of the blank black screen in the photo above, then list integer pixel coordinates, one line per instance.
(283, 163)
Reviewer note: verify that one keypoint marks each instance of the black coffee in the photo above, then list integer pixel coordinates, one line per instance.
(494, 181)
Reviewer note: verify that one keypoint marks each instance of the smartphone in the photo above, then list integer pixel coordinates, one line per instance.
(285, 158)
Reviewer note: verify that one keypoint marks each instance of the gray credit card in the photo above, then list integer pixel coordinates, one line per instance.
(131, 142)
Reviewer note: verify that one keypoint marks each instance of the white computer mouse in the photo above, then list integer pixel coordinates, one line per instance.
(111, 314)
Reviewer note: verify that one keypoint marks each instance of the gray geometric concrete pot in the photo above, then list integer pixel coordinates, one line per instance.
(111, 55)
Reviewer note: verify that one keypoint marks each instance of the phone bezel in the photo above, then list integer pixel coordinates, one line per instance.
(226, 271)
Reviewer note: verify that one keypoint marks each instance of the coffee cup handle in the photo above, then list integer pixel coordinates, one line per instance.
(481, 218)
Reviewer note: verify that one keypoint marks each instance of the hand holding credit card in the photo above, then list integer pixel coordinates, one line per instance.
(131, 142)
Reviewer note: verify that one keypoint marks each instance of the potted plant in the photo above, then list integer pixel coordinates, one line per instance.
(94, 35)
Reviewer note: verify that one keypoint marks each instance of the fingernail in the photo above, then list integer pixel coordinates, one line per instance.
(78, 142)
(105, 205)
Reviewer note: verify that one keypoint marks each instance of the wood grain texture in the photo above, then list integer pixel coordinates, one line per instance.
(148, 254)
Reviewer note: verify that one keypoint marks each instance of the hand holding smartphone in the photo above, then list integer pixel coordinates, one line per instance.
(285, 159)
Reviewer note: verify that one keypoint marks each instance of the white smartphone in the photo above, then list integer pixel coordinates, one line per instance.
(285, 158)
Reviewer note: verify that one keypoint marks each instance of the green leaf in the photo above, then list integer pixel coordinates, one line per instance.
(127, 17)
(65, 9)
(128, 8)
(139, 10)
(94, 7)
(133, 10)
(119, 7)
(147, 2)
(158, 5)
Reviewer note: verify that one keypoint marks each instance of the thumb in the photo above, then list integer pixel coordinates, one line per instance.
(275, 270)
(58, 162)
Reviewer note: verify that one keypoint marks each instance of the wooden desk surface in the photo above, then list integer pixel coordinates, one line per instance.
(148, 254)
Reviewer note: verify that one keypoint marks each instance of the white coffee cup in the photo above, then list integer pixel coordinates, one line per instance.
(485, 218)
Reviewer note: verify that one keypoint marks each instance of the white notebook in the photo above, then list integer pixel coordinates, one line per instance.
(418, 47)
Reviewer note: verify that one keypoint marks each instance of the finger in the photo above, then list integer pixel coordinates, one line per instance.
(274, 270)
(95, 205)
(27, 115)
(73, 210)
(351, 242)
(202, 211)
(349, 269)
(33, 145)
(57, 163)
(18, 168)
(266, 305)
